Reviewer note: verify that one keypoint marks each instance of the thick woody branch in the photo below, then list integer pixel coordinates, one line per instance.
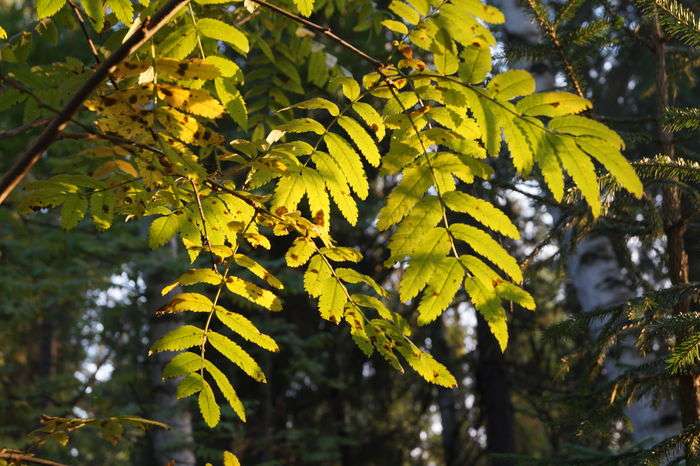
(31, 156)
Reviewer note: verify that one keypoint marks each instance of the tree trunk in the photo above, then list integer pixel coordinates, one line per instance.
(447, 398)
(600, 284)
(675, 226)
(493, 388)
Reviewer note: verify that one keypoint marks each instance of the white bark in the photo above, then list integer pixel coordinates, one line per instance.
(600, 283)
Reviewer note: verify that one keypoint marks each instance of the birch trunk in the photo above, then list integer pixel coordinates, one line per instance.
(600, 284)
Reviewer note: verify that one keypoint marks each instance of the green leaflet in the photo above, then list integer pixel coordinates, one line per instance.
(46, 8)
(476, 63)
(317, 71)
(95, 11)
(162, 229)
(302, 125)
(226, 389)
(289, 191)
(482, 211)
(577, 125)
(232, 100)
(319, 203)
(442, 287)
(552, 104)
(428, 367)
(409, 234)
(218, 30)
(123, 10)
(521, 150)
(208, 406)
(546, 157)
(236, 355)
(73, 211)
(614, 162)
(579, 166)
(395, 26)
(178, 339)
(424, 262)
(183, 364)
(337, 185)
(488, 304)
(317, 103)
(353, 276)
(362, 139)
(246, 329)
(416, 181)
(511, 84)
(332, 300)
(483, 244)
(371, 117)
(102, 209)
(509, 292)
(317, 275)
(346, 157)
(404, 11)
(188, 386)
(180, 42)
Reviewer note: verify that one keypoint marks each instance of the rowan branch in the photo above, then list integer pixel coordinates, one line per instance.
(326, 31)
(91, 44)
(13, 456)
(10, 133)
(33, 153)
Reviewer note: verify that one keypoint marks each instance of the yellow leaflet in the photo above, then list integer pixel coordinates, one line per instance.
(254, 293)
(196, 101)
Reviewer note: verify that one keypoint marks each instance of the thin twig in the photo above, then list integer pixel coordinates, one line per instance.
(323, 30)
(91, 44)
(9, 133)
